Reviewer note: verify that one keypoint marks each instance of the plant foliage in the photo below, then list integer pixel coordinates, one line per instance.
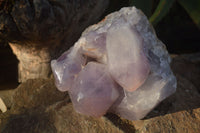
(162, 8)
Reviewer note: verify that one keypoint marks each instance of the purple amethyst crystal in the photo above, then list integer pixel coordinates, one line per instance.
(66, 68)
(126, 49)
(95, 93)
(118, 65)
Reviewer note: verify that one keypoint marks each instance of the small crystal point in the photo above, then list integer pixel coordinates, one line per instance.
(127, 62)
(65, 69)
(93, 91)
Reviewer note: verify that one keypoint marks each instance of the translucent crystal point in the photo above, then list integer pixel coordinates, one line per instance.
(65, 68)
(94, 91)
(126, 59)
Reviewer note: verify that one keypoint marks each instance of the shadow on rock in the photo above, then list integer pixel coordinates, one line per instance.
(186, 98)
(121, 124)
(29, 123)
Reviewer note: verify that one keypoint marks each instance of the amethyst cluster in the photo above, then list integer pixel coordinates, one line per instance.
(118, 65)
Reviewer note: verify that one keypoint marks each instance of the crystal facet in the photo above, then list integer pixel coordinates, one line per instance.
(97, 88)
(126, 49)
(118, 65)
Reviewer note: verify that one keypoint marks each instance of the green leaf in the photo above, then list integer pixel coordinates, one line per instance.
(161, 10)
(144, 5)
(193, 9)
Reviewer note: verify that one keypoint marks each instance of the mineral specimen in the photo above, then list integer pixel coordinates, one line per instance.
(118, 65)
(95, 93)
(126, 49)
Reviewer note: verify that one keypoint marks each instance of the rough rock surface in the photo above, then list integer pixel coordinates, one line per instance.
(37, 93)
(39, 30)
(179, 113)
(125, 45)
(65, 119)
(48, 22)
(28, 101)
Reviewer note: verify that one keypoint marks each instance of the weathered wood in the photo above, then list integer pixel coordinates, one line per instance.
(33, 63)
(39, 30)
